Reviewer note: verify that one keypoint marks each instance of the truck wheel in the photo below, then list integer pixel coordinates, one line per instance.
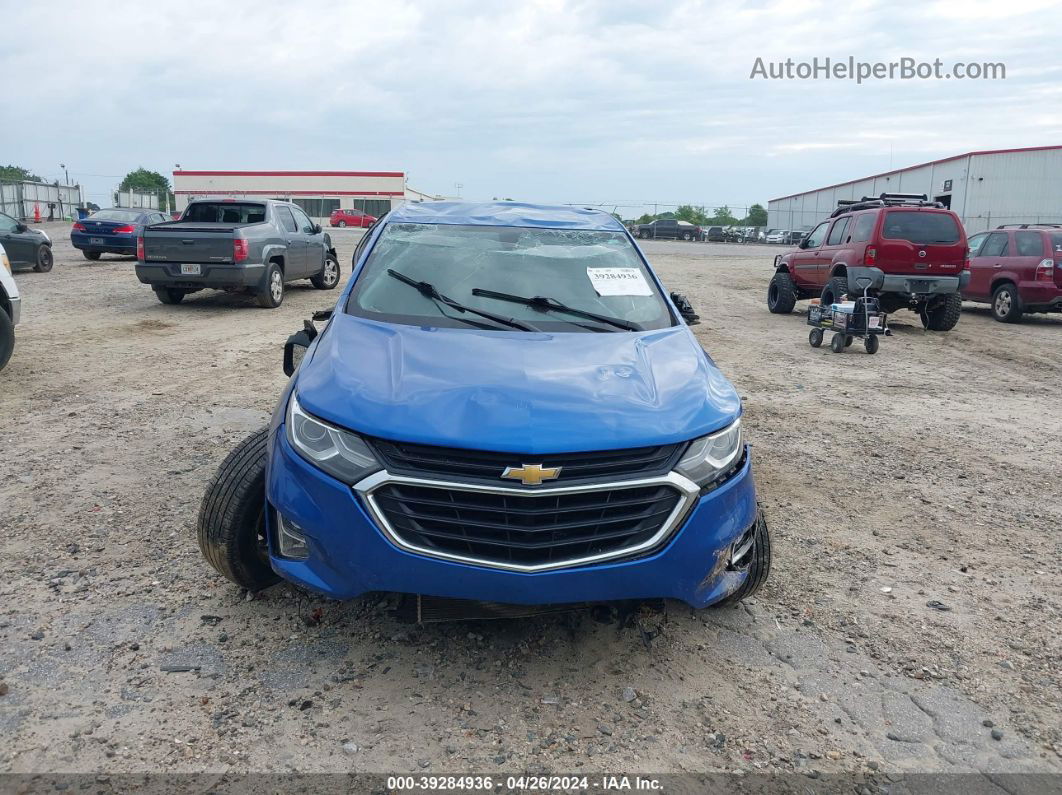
(169, 295)
(91, 255)
(45, 260)
(687, 236)
(1006, 304)
(7, 338)
(328, 278)
(231, 524)
(815, 337)
(834, 289)
(945, 314)
(781, 294)
(273, 294)
(759, 566)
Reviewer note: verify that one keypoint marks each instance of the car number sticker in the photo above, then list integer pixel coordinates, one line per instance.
(618, 281)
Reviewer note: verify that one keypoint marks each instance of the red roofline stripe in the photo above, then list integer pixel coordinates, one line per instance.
(289, 173)
(919, 165)
(285, 192)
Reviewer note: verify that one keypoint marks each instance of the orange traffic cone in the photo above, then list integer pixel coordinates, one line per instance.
(36, 213)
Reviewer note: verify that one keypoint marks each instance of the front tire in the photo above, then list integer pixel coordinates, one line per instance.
(834, 289)
(45, 259)
(341, 224)
(231, 525)
(759, 566)
(273, 295)
(945, 314)
(815, 337)
(7, 338)
(687, 236)
(1006, 304)
(781, 294)
(837, 342)
(871, 344)
(169, 295)
(328, 278)
(91, 255)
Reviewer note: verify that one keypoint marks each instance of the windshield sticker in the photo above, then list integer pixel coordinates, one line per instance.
(618, 281)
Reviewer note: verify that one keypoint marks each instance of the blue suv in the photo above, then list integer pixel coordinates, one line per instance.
(503, 406)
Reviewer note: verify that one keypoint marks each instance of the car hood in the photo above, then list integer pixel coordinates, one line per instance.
(515, 391)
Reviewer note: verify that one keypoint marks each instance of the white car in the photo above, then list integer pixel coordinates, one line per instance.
(10, 308)
(777, 236)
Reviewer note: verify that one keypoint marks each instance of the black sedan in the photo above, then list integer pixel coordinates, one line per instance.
(24, 245)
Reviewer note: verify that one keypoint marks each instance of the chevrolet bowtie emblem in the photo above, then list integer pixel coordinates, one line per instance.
(531, 474)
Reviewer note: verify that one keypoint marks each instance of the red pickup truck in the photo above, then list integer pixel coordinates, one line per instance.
(909, 252)
(1016, 268)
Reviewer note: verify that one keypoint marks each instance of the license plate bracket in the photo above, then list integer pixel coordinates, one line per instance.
(96, 241)
(191, 269)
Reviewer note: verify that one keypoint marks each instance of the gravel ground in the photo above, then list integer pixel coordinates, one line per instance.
(910, 623)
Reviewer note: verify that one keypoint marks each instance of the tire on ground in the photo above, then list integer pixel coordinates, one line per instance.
(169, 295)
(7, 338)
(91, 255)
(834, 289)
(45, 259)
(231, 523)
(759, 567)
(1012, 309)
(781, 293)
(267, 298)
(945, 314)
(322, 281)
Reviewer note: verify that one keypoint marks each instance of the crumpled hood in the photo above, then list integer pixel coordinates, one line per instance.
(514, 391)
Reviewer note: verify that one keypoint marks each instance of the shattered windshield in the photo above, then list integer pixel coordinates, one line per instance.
(592, 271)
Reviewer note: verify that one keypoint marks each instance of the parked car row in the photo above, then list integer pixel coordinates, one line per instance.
(784, 237)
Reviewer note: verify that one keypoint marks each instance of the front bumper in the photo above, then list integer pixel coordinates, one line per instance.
(219, 276)
(350, 555)
(907, 284)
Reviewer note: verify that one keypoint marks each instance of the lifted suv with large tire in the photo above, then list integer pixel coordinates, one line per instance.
(909, 252)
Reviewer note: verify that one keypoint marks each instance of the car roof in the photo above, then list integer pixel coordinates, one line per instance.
(505, 214)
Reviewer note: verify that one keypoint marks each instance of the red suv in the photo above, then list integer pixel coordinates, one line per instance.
(909, 252)
(351, 218)
(1016, 268)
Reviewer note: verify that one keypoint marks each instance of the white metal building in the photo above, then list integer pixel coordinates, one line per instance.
(317, 192)
(986, 189)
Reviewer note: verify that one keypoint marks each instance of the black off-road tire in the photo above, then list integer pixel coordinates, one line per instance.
(871, 344)
(169, 295)
(270, 297)
(91, 255)
(815, 337)
(781, 294)
(837, 342)
(834, 289)
(7, 338)
(945, 314)
(231, 524)
(1006, 304)
(759, 567)
(45, 259)
(328, 278)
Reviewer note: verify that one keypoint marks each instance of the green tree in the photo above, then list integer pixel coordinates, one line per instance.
(148, 182)
(18, 174)
(695, 215)
(723, 217)
(757, 216)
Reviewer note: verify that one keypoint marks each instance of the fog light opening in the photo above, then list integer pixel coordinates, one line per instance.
(291, 542)
(741, 550)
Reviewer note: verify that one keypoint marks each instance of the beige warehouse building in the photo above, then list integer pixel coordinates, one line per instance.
(317, 192)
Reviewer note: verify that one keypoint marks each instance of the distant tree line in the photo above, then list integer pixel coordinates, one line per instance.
(722, 216)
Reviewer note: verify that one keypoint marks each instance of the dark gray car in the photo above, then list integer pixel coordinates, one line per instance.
(24, 245)
(253, 246)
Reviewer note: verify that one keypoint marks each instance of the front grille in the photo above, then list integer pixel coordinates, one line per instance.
(480, 465)
(524, 530)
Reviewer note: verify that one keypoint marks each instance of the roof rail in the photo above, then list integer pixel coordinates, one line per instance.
(884, 200)
(1029, 226)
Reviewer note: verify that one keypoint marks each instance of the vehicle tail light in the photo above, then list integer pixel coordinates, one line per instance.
(140, 249)
(79, 227)
(871, 256)
(240, 249)
(966, 261)
(123, 230)
(1045, 271)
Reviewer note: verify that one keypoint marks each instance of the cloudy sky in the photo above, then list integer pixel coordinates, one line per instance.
(608, 101)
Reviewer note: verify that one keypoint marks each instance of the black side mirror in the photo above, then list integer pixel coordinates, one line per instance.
(317, 229)
(685, 309)
(21, 228)
(295, 347)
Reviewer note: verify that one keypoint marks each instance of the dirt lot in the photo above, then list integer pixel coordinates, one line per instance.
(928, 474)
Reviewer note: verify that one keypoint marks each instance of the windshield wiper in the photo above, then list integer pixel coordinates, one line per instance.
(428, 290)
(544, 304)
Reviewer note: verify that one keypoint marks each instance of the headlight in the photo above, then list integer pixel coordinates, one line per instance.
(709, 457)
(342, 454)
(5, 261)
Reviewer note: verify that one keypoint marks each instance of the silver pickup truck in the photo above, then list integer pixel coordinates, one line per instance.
(229, 244)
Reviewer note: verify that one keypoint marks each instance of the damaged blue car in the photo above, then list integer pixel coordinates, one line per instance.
(505, 405)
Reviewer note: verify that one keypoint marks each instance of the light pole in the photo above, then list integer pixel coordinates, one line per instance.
(458, 186)
(65, 173)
